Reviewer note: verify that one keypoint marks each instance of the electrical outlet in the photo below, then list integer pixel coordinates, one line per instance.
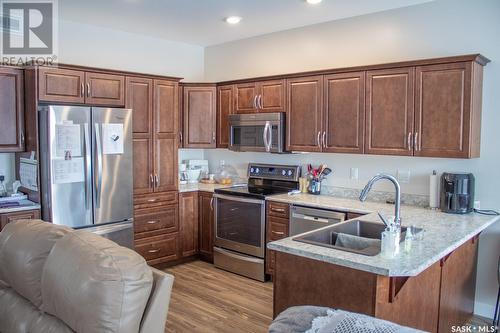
(354, 173)
(404, 176)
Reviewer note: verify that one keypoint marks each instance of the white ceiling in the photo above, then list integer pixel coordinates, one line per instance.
(201, 22)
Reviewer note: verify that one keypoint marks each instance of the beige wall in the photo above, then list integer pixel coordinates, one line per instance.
(440, 28)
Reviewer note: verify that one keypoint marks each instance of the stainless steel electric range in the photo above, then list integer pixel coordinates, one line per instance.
(240, 218)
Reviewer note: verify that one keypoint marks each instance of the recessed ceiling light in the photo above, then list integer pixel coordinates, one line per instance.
(233, 19)
(313, 2)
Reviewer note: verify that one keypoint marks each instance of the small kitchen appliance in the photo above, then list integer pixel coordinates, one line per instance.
(457, 193)
(257, 132)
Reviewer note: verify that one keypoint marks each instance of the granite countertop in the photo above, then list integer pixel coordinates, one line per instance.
(23, 205)
(443, 234)
(200, 187)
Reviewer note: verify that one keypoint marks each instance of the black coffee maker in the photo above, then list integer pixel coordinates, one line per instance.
(457, 193)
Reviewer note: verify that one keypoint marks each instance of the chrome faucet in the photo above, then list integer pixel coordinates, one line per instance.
(397, 208)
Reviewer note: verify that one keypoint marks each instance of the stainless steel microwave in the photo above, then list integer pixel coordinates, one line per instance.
(260, 132)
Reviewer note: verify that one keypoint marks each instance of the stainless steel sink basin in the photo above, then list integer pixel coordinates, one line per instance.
(369, 243)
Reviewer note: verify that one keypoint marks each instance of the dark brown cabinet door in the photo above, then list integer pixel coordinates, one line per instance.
(344, 117)
(305, 106)
(245, 98)
(389, 111)
(11, 110)
(271, 96)
(207, 228)
(224, 109)
(443, 110)
(165, 109)
(140, 100)
(22, 215)
(165, 166)
(143, 165)
(188, 216)
(105, 89)
(199, 108)
(61, 85)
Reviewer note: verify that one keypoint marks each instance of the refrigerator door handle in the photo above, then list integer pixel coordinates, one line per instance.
(87, 163)
(98, 144)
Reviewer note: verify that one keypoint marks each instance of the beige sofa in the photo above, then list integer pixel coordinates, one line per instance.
(55, 279)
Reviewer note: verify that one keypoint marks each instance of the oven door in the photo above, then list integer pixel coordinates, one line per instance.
(260, 135)
(240, 224)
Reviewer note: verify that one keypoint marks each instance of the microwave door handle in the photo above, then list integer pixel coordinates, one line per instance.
(265, 134)
(270, 137)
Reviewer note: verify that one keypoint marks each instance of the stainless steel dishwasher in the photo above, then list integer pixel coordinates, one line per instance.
(303, 219)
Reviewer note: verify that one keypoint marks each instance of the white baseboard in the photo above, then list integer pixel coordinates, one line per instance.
(484, 310)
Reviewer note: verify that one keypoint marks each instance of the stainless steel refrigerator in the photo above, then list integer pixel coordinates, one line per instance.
(86, 169)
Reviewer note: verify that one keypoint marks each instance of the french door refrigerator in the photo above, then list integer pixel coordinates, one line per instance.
(86, 169)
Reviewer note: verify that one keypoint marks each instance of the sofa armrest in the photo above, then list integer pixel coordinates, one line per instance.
(155, 314)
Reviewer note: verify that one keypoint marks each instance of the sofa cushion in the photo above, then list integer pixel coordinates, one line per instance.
(24, 247)
(18, 315)
(93, 285)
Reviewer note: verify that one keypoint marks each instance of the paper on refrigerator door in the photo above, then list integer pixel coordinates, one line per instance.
(68, 140)
(68, 171)
(112, 139)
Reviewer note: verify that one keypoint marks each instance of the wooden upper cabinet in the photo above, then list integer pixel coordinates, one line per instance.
(165, 166)
(61, 85)
(443, 113)
(80, 87)
(271, 96)
(305, 106)
(389, 111)
(225, 107)
(200, 116)
(166, 108)
(245, 98)
(140, 100)
(11, 110)
(105, 89)
(344, 113)
(143, 165)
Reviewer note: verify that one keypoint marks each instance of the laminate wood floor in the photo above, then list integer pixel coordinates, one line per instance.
(207, 299)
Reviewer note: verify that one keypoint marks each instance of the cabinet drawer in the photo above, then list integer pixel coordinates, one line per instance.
(156, 219)
(159, 249)
(155, 199)
(277, 229)
(278, 209)
(19, 215)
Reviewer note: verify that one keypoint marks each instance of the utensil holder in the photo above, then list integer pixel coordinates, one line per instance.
(314, 187)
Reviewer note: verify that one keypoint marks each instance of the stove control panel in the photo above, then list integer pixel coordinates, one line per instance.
(278, 172)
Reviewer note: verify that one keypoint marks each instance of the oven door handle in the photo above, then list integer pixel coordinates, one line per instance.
(238, 199)
(238, 256)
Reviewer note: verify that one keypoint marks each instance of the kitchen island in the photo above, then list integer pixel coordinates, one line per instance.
(430, 288)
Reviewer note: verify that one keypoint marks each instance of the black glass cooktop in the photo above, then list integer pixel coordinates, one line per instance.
(259, 188)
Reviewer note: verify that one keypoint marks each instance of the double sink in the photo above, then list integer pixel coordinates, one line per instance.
(355, 236)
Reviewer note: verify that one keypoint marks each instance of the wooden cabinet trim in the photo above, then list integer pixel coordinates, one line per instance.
(12, 111)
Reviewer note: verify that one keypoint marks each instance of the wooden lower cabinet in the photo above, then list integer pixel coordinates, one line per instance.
(440, 296)
(19, 215)
(277, 227)
(206, 226)
(188, 217)
(159, 249)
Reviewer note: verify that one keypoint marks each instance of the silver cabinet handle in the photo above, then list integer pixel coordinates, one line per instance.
(180, 137)
(212, 203)
(279, 233)
(157, 180)
(318, 140)
(409, 141)
(213, 137)
(88, 89)
(261, 106)
(152, 222)
(22, 138)
(278, 210)
(415, 141)
(324, 139)
(82, 89)
(154, 251)
(152, 200)
(151, 181)
(255, 102)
